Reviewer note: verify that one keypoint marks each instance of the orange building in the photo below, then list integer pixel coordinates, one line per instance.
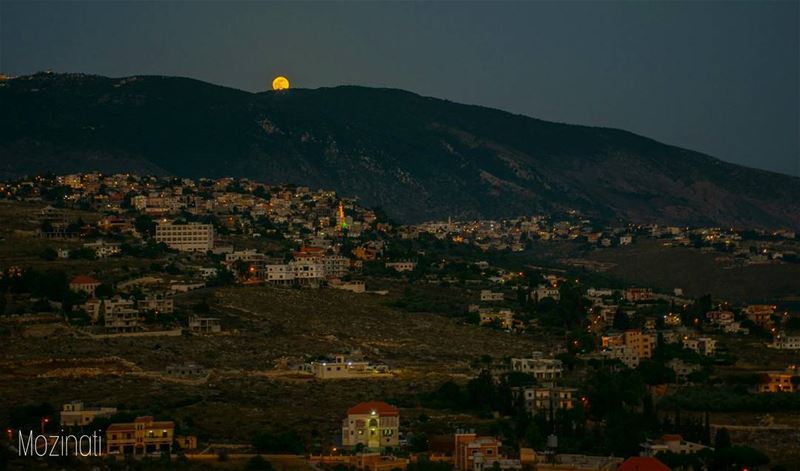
(469, 447)
(142, 436)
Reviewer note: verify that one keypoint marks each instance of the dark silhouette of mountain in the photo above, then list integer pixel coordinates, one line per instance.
(419, 158)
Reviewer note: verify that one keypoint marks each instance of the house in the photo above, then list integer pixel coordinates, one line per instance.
(539, 367)
(488, 295)
(503, 317)
(402, 266)
(670, 444)
(76, 414)
(84, 284)
(682, 369)
(373, 424)
(546, 291)
(204, 325)
(141, 437)
(340, 366)
(702, 345)
(478, 453)
(779, 381)
(760, 314)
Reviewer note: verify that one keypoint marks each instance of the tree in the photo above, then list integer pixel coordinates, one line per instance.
(258, 463)
(621, 320)
(145, 225)
(104, 291)
(49, 254)
(722, 439)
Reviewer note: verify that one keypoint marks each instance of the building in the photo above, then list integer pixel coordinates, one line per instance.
(785, 342)
(503, 317)
(670, 444)
(204, 325)
(539, 367)
(546, 291)
(682, 369)
(566, 462)
(402, 266)
(779, 381)
(760, 314)
(635, 295)
(629, 347)
(84, 284)
(119, 314)
(76, 414)
(546, 398)
(488, 295)
(336, 266)
(702, 345)
(372, 424)
(158, 303)
(142, 436)
(191, 237)
(340, 366)
(478, 453)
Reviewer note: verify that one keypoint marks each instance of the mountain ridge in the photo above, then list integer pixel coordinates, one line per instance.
(418, 157)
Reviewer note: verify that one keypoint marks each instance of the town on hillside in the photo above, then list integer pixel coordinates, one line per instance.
(236, 324)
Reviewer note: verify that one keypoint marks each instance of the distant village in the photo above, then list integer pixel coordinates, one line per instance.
(239, 232)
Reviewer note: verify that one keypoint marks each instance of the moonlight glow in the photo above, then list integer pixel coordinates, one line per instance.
(280, 83)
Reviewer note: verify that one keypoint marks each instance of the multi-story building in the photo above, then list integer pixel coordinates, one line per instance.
(635, 295)
(478, 453)
(76, 414)
(504, 317)
(541, 368)
(630, 346)
(204, 325)
(702, 345)
(760, 314)
(336, 266)
(546, 291)
(779, 381)
(546, 398)
(372, 424)
(785, 342)
(159, 303)
(142, 436)
(340, 366)
(191, 237)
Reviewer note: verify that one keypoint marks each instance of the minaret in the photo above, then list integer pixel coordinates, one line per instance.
(341, 222)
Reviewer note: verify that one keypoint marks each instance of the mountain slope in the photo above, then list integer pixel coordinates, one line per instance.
(420, 158)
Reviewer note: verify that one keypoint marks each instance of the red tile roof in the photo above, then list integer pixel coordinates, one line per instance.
(380, 408)
(642, 463)
(83, 280)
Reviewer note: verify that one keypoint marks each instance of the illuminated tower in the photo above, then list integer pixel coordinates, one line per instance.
(341, 222)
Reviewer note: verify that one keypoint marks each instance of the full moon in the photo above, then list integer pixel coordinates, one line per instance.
(280, 83)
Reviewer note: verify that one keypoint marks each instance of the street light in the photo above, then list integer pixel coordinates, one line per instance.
(44, 421)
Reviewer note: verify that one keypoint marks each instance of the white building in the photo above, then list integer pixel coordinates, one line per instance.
(702, 345)
(488, 295)
(539, 367)
(192, 237)
(75, 414)
(785, 342)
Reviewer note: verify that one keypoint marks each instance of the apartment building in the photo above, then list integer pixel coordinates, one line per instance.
(546, 398)
(191, 237)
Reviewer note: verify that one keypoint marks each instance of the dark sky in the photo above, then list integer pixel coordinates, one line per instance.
(718, 77)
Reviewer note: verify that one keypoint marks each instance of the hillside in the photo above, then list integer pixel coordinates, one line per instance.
(419, 158)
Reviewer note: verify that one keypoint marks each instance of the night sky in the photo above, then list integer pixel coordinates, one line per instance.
(717, 77)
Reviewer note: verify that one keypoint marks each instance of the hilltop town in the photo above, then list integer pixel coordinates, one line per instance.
(215, 321)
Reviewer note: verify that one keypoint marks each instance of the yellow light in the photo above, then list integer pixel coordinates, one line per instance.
(280, 83)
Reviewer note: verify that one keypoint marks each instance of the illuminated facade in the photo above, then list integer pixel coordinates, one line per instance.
(373, 424)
